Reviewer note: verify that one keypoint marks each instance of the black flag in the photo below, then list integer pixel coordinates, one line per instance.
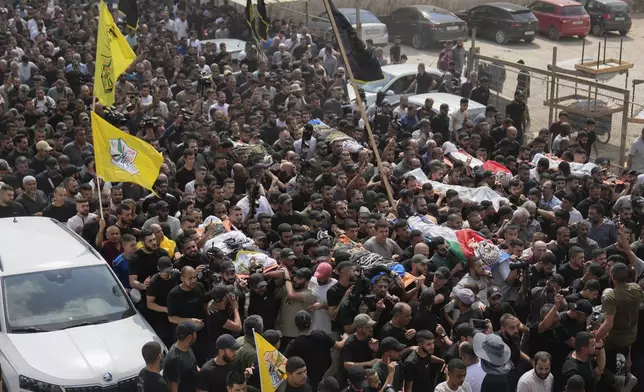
(262, 25)
(363, 62)
(129, 10)
(251, 20)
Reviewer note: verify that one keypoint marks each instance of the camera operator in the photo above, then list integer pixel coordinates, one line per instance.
(254, 203)
(353, 303)
(506, 277)
(379, 302)
(307, 145)
(346, 279)
(542, 270)
(540, 296)
(160, 286)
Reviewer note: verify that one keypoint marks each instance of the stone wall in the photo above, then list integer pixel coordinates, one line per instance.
(296, 10)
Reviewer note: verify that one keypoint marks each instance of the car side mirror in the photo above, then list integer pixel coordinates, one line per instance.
(135, 296)
(390, 92)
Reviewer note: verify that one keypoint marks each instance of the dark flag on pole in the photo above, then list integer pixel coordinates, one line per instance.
(129, 10)
(262, 25)
(363, 62)
(251, 20)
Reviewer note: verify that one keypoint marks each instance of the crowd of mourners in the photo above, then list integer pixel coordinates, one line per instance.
(559, 314)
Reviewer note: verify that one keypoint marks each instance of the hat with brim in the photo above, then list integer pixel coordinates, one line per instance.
(491, 349)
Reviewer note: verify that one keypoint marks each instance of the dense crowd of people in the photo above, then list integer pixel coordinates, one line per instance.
(236, 130)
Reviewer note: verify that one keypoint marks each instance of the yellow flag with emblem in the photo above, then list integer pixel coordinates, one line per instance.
(121, 157)
(113, 56)
(272, 365)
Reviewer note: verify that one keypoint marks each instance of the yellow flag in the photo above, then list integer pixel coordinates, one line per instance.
(113, 56)
(123, 157)
(272, 364)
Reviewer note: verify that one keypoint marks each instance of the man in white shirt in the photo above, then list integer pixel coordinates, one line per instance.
(456, 371)
(539, 378)
(457, 118)
(77, 221)
(636, 155)
(220, 105)
(263, 204)
(475, 373)
(181, 26)
(320, 284)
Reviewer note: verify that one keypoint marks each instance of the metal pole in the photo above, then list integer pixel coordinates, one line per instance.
(583, 50)
(622, 143)
(358, 23)
(552, 86)
(470, 59)
(599, 53)
(361, 107)
(605, 45)
(621, 46)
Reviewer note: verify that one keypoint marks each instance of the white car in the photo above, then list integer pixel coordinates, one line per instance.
(67, 323)
(233, 45)
(372, 27)
(398, 78)
(452, 100)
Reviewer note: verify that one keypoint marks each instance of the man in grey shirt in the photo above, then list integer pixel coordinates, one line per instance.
(163, 215)
(382, 244)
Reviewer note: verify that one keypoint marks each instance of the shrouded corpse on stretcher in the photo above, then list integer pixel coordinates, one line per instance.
(468, 194)
(576, 168)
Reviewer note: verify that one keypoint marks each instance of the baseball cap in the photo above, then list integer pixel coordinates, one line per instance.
(303, 319)
(227, 266)
(70, 170)
(419, 259)
(304, 273)
(493, 291)
(259, 235)
(226, 341)
(466, 296)
(442, 273)
(357, 376)
(363, 320)
(391, 343)
(316, 197)
(322, 252)
(162, 204)
(287, 253)
(584, 306)
(165, 264)
(185, 329)
(220, 291)
(51, 162)
(323, 271)
(316, 215)
(284, 198)
(43, 145)
(256, 281)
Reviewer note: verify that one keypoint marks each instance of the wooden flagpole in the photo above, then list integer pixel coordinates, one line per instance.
(363, 114)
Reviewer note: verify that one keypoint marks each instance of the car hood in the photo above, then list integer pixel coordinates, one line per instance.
(81, 355)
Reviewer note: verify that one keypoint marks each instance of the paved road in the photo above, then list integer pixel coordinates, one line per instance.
(539, 54)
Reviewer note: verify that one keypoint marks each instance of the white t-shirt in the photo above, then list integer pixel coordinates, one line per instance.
(475, 376)
(637, 151)
(442, 387)
(459, 117)
(321, 318)
(181, 27)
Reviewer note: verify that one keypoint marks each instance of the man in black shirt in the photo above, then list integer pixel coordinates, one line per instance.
(359, 347)
(335, 294)
(397, 326)
(285, 213)
(156, 298)
(144, 263)
(150, 379)
(516, 110)
(224, 319)
(314, 347)
(580, 362)
(187, 303)
(542, 270)
(8, 207)
(212, 376)
(423, 81)
(419, 372)
(180, 367)
(440, 123)
(296, 380)
(60, 209)
(496, 308)
(574, 268)
(573, 321)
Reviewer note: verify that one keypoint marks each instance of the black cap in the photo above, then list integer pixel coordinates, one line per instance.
(287, 253)
(226, 341)
(165, 264)
(442, 273)
(303, 319)
(256, 280)
(584, 306)
(284, 198)
(51, 162)
(357, 376)
(161, 204)
(391, 343)
(220, 291)
(70, 170)
(322, 252)
(185, 329)
(304, 273)
(493, 291)
(316, 197)
(227, 266)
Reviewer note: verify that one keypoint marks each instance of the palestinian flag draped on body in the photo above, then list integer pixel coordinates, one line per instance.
(121, 157)
(272, 365)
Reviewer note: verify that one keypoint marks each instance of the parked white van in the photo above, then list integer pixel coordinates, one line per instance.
(66, 322)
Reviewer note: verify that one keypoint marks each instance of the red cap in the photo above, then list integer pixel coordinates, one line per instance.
(323, 271)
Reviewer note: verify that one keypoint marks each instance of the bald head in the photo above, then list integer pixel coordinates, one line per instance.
(421, 248)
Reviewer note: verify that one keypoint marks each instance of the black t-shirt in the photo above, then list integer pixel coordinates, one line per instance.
(212, 377)
(144, 265)
(424, 319)
(184, 176)
(159, 288)
(569, 274)
(396, 332)
(216, 322)
(394, 53)
(333, 298)
(12, 209)
(356, 350)
(495, 383)
(495, 315)
(538, 278)
(181, 367)
(586, 370)
(440, 124)
(567, 328)
(151, 382)
(62, 214)
(420, 371)
(186, 304)
(423, 83)
(314, 349)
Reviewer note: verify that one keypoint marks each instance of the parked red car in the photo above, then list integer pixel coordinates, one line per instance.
(561, 18)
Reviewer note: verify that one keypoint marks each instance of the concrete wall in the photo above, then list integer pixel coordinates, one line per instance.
(296, 10)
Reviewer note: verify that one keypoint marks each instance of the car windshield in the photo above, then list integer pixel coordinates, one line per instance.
(574, 10)
(365, 17)
(440, 17)
(374, 87)
(63, 298)
(524, 15)
(617, 7)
